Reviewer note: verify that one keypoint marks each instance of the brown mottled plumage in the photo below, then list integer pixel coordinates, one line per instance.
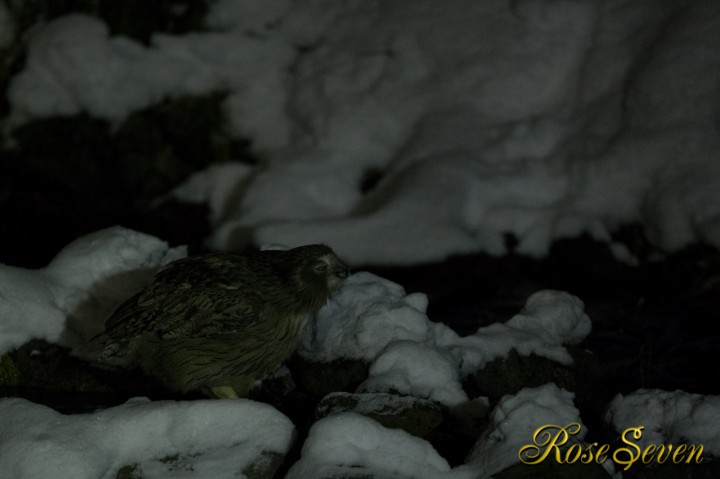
(220, 321)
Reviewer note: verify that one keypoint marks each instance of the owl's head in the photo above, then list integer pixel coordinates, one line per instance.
(318, 269)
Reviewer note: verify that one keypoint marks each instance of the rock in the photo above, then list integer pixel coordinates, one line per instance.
(264, 467)
(586, 377)
(416, 416)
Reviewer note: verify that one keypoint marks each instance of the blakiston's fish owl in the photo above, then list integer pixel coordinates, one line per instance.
(218, 322)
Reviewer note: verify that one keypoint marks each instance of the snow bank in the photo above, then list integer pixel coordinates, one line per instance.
(366, 315)
(373, 319)
(519, 118)
(216, 439)
(74, 66)
(67, 301)
(513, 423)
(348, 443)
(479, 118)
(549, 320)
(669, 417)
(412, 368)
(215, 186)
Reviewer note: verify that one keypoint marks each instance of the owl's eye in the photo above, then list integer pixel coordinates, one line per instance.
(321, 267)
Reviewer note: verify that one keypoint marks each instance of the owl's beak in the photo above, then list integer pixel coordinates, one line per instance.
(343, 272)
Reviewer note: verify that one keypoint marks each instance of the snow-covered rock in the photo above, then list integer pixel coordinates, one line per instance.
(513, 422)
(350, 443)
(67, 301)
(219, 439)
(668, 417)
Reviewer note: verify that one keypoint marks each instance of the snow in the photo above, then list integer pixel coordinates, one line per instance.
(74, 66)
(542, 119)
(350, 443)
(471, 146)
(250, 16)
(67, 301)
(548, 320)
(372, 318)
(513, 422)
(669, 417)
(418, 370)
(518, 118)
(215, 187)
(210, 438)
(366, 315)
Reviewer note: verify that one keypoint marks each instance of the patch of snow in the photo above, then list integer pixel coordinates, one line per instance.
(369, 313)
(513, 422)
(373, 319)
(74, 65)
(468, 145)
(215, 186)
(255, 16)
(682, 206)
(308, 186)
(216, 439)
(548, 320)
(350, 443)
(669, 417)
(417, 370)
(366, 315)
(67, 301)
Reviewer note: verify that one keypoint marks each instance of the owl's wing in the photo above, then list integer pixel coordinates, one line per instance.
(151, 310)
(182, 310)
(197, 296)
(228, 312)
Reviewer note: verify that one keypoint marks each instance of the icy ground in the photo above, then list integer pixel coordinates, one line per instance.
(370, 318)
(402, 134)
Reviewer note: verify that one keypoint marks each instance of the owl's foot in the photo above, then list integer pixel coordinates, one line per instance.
(223, 392)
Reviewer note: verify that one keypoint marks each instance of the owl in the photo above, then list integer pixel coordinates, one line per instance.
(218, 322)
